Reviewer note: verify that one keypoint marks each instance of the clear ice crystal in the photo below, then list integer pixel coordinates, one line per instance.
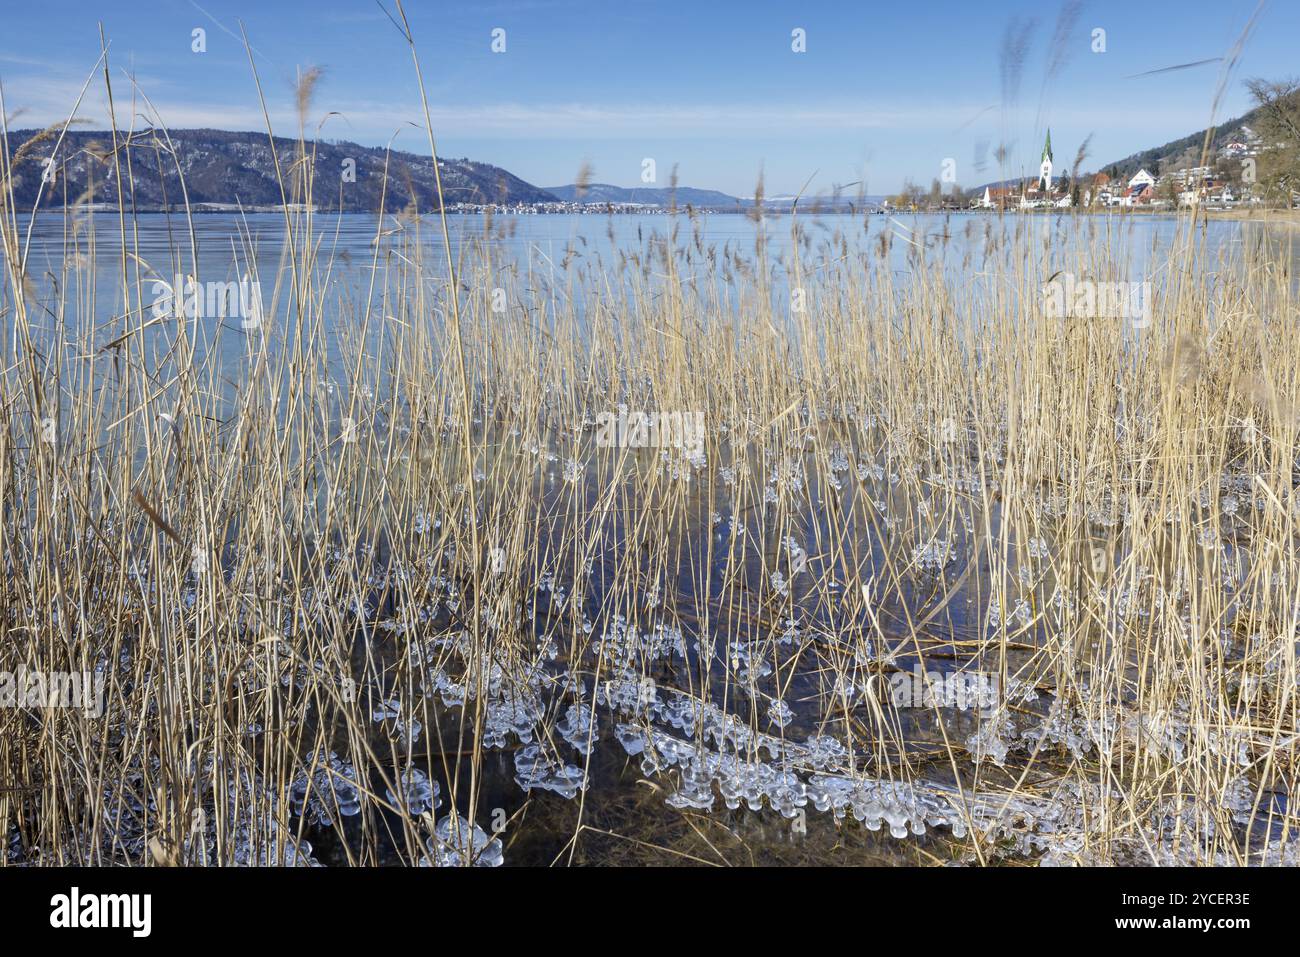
(457, 843)
(415, 792)
(534, 770)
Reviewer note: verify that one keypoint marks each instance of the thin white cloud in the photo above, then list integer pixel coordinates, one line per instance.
(45, 95)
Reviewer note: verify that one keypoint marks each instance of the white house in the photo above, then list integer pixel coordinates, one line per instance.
(1141, 178)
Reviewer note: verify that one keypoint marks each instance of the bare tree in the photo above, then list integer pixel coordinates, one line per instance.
(1277, 168)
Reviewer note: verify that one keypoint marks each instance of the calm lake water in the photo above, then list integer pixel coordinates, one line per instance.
(544, 237)
(361, 264)
(346, 244)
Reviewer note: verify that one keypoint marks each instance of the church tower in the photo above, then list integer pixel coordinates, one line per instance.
(1045, 167)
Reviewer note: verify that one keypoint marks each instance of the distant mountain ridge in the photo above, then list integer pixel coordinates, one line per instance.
(1156, 159)
(231, 169)
(647, 195)
(225, 168)
(712, 199)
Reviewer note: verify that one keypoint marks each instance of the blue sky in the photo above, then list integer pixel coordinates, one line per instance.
(884, 91)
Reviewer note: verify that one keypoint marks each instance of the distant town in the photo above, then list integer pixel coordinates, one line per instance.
(1226, 183)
